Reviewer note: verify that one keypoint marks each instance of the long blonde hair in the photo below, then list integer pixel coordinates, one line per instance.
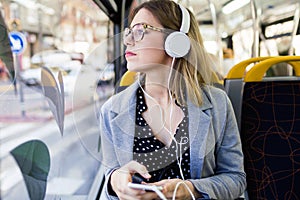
(192, 71)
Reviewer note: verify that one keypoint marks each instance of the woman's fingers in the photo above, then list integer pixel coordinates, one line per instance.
(121, 177)
(182, 191)
(135, 167)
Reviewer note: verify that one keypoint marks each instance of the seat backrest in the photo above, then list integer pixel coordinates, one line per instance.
(270, 132)
(234, 90)
(233, 85)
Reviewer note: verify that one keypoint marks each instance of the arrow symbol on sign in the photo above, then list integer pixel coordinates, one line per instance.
(15, 43)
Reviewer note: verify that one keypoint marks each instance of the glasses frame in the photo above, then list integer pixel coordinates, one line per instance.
(129, 30)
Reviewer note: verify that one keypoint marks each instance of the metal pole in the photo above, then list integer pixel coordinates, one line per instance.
(122, 28)
(18, 80)
(293, 34)
(40, 35)
(295, 27)
(17, 64)
(255, 19)
(215, 24)
(117, 52)
(118, 43)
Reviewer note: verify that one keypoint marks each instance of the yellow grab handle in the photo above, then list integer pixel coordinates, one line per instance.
(127, 78)
(238, 70)
(256, 73)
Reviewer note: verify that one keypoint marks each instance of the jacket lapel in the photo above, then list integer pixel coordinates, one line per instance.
(199, 127)
(124, 110)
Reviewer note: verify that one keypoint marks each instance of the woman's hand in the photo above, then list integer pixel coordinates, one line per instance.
(182, 192)
(121, 177)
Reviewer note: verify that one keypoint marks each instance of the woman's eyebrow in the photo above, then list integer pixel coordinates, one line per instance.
(138, 23)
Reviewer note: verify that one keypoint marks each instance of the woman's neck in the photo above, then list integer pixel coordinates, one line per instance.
(157, 93)
(157, 87)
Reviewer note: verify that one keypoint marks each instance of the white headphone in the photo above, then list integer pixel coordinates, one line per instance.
(178, 44)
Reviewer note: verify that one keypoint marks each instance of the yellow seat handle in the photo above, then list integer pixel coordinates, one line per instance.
(256, 73)
(128, 78)
(238, 70)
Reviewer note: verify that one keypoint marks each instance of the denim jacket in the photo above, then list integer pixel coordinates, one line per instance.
(216, 156)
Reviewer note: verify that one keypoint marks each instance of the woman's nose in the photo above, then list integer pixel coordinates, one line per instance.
(128, 39)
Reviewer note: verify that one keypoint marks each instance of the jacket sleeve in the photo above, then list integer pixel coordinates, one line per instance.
(229, 178)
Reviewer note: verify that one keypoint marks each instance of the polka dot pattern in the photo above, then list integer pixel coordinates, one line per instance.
(160, 160)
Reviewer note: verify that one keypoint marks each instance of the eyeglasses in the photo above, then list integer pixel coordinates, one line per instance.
(138, 31)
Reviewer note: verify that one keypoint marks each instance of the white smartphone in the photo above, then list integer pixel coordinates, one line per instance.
(151, 188)
(145, 187)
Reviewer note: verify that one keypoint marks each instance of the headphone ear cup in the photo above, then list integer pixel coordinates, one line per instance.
(177, 44)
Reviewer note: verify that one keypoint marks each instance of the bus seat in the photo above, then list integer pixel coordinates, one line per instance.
(128, 78)
(270, 132)
(233, 84)
(216, 81)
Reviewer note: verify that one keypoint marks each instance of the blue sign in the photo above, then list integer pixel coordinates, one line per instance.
(18, 42)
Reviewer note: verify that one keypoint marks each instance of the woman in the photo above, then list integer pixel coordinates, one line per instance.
(170, 128)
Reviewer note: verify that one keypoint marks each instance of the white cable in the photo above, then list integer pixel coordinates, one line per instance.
(160, 194)
(170, 132)
(187, 187)
(149, 96)
(177, 143)
(179, 161)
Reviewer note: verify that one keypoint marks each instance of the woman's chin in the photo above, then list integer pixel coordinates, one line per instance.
(132, 68)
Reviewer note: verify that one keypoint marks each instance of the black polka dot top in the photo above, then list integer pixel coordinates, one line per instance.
(160, 160)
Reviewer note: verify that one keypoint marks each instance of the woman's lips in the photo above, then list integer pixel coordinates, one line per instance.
(129, 54)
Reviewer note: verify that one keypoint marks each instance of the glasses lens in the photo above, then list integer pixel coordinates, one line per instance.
(126, 32)
(138, 32)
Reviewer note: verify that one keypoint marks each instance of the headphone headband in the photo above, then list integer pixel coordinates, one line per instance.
(185, 24)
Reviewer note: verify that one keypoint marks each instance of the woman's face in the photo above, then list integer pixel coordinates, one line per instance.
(148, 53)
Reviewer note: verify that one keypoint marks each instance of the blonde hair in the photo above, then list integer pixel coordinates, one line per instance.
(192, 71)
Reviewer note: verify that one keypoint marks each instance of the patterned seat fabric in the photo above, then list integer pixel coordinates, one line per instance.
(270, 133)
